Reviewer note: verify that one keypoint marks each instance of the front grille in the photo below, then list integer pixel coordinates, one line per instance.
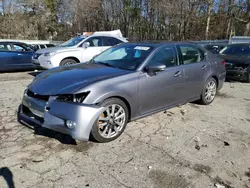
(27, 112)
(36, 96)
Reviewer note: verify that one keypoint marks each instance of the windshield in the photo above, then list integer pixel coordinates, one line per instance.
(236, 50)
(126, 56)
(72, 42)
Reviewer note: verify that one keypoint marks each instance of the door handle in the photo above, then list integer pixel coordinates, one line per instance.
(178, 74)
(19, 54)
(204, 67)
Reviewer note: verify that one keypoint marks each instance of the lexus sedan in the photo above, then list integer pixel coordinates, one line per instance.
(122, 84)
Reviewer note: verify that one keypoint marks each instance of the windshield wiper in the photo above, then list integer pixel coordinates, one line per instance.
(106, 64)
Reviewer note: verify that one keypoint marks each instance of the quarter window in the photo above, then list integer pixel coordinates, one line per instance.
(165, 56)
(191, 54)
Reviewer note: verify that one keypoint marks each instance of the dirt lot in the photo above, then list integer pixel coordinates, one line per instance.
(188, 146)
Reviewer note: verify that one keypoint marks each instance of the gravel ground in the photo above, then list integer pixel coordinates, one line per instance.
(188, 146)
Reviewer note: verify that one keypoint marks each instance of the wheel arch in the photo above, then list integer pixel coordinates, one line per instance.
(122, 98)
(70, 57)
(216, 79)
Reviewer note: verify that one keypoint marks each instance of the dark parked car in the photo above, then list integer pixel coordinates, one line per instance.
(124, 83)
(16, 56)
(237, 58)
(42, 46)
(214, 48)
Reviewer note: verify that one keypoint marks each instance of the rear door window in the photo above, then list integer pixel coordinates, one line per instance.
(190, 54)
(111, 41)
(50, 45)
(42, 46)
(95, 41)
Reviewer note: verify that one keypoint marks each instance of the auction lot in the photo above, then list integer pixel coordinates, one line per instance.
(188, 146)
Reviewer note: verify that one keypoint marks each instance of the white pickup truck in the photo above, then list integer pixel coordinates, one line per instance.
(78, 49)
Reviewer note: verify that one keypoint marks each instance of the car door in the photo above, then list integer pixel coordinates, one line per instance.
(96, 46)
(23, 56)
(5, 54)
(162, 89)
(196, 68)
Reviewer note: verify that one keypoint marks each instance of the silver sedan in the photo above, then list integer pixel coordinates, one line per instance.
(122, 84)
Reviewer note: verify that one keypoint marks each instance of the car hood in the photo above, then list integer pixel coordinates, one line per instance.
(54, 49)
(236, 59)
(69, 79)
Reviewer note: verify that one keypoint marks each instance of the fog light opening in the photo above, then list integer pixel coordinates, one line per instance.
(70, 124)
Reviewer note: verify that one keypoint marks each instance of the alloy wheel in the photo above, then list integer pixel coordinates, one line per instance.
(210, 91)
(111, 121)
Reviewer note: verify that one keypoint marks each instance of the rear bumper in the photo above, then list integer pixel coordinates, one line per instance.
(54, 114)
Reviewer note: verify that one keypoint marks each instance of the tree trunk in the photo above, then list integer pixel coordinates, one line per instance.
(247, 29)
(210, 8)
(229, 18)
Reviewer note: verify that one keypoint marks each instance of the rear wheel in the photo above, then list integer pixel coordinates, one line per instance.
(248, 78)
(68, 62)
(209, 92)
(112, 122)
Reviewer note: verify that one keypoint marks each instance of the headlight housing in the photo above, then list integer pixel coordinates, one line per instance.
(77, 98)
(49, 53)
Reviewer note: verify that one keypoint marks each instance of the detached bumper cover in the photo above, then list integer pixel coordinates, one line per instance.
(237, 74)
(54, 114)
(240, 71)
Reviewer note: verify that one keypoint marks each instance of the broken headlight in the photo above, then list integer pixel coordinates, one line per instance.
(78, 98)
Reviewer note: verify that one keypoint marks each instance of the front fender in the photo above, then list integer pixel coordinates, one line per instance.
(67, 54)
(113, 94)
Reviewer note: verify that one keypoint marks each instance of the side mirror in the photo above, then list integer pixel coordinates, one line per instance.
(85, 44)
(155, 68)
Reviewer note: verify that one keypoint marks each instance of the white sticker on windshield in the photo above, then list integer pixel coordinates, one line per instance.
(145, 48)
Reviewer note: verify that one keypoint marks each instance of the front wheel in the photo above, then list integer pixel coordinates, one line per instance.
(112, 122)
(68, 62)
(209, 92)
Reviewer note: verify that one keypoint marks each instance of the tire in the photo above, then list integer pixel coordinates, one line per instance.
(101, 129)
(68, 62)
(248, 78)
(205, 99)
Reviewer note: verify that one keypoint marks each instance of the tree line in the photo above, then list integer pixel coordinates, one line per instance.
(137, 19)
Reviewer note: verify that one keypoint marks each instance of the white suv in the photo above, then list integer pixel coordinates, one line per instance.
(77, 50)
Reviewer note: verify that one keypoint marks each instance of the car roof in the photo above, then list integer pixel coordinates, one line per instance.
(215, 44)
(240, 44)
(11, 42)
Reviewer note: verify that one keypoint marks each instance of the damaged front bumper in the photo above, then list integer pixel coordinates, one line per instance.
(54, 114)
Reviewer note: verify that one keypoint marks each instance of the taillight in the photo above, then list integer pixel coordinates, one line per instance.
(223, 63)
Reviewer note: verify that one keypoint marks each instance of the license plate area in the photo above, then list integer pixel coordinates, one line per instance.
(36, 106)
